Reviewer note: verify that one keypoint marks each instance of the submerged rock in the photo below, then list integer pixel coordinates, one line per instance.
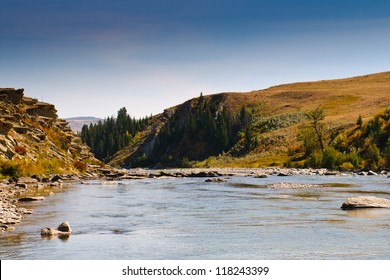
(285, 185)
(365, 202)
(284, 174)
(215, 180)
(62, 229)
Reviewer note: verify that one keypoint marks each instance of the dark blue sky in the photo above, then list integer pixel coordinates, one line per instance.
(91, 57)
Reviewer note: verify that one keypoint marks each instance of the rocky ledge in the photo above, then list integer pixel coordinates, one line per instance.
(30, 129)
(365, 202)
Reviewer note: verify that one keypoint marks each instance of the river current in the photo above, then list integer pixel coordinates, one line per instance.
(187, 218)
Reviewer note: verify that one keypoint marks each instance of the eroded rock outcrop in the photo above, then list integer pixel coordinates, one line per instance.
(30, 129)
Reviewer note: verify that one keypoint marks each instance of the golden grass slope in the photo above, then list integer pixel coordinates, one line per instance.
(343, 100)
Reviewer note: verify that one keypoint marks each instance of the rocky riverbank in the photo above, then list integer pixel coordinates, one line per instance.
(13, 192)
(139, 173)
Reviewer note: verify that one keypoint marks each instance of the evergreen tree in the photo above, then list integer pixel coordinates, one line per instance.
(112, 134)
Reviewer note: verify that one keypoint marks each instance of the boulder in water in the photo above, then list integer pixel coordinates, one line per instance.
(215, 180)
(62, 229)
(365, 202)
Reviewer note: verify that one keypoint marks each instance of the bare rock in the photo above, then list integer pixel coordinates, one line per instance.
(27, 180)
(204, 174)
(4, 227)
(57, 178)
(62, 229)
(261, 176)
(215, 180)
(331, 173)
(365, 202)
(21, 185)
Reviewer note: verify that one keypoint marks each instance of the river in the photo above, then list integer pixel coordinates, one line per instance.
(186, 218)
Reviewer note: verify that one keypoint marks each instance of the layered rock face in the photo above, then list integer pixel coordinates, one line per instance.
(30, 129)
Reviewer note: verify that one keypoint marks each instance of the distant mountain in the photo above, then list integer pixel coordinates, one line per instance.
(260, 128)
(77, 123)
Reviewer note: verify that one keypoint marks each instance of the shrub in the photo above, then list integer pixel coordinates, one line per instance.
(331, 158)
(279, 121)
(10, 169)
(346, 166)
(185, 163)
(372, 157)
(314, 160)
(80, 165)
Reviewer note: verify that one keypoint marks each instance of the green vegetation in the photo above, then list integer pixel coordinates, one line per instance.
(278, 122)
(364, 146)
(43, 165)
(111, 135)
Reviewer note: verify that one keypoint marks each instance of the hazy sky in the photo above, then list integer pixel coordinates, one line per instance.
(92, 57)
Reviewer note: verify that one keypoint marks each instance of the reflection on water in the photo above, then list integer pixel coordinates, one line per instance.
(189, 219)
(369, 213)
(60, 237)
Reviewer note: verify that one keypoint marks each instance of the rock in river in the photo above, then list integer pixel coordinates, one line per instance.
(365, 202)
(215, 180)
(31, 198)
(62, 229)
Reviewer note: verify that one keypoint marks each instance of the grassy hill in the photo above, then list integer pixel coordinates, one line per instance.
(277, 113)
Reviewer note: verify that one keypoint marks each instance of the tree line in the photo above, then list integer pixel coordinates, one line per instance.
(112, 134)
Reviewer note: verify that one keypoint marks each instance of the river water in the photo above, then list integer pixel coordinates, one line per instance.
(186, 218)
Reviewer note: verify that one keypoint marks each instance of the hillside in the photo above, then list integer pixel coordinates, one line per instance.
(276, 114)
(33, 140)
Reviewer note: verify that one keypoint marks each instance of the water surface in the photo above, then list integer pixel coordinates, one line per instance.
(187, 218)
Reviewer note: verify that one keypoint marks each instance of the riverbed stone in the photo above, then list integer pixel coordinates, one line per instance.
(21, 185)
(56, 178)
(365, 202)
(215, 180)
(284, 174)
(62, 229)
(261, 176)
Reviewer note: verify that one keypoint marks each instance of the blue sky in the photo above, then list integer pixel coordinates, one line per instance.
(92, 57)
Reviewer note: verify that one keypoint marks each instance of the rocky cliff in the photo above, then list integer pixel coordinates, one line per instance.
(34, 138)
